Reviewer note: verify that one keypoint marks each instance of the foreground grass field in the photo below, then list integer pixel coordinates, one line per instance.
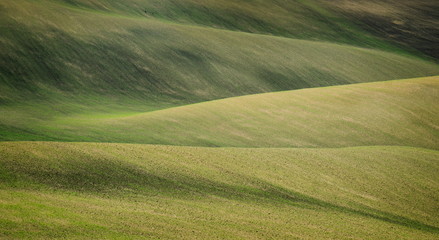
(123, 191)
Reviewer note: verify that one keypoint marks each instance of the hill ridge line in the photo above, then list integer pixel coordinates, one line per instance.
(282, 91)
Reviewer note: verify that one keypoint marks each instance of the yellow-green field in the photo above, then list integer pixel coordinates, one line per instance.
(219, 119)
(400, 112)
(96, 190)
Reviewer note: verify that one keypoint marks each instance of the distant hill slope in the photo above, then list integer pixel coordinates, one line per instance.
(398, 112)
(304, 19)
(414, 24)
(108, 191)
(56, 53)
(378, 24)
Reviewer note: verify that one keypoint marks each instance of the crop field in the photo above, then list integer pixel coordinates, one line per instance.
(219, 119)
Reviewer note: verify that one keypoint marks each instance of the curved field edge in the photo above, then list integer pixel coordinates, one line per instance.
(52, 190)
(400, 112)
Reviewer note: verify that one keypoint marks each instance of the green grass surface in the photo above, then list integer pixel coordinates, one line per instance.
(54, 53)
(88, 190)
(412, 24)
(97, 64)
(298, 19)
(400, 112)
(334, 21)
(292, 155)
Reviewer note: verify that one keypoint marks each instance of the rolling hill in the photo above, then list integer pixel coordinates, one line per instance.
(91, 57)
(399, 112)
(96, 190)
(370, 23)
(219, 119)
(305, 19)
(410, 24)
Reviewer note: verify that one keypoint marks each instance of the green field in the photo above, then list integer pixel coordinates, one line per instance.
(96, 190)
(90, 57)
(219, 119)
(400, 113)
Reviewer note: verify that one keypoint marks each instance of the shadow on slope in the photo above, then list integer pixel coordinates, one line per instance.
(95, 56)
(96, 170)
(399, 112)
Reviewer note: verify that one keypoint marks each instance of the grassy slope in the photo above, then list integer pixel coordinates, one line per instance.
(331, 21)
(91, 57)
(79, 72)
(103, 63)
(397, 112)
(410, 23)
(305, 19)
(121, 190)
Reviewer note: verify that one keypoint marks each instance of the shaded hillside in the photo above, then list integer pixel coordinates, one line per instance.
(413, 24)
(304, 19)
(91, 57)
